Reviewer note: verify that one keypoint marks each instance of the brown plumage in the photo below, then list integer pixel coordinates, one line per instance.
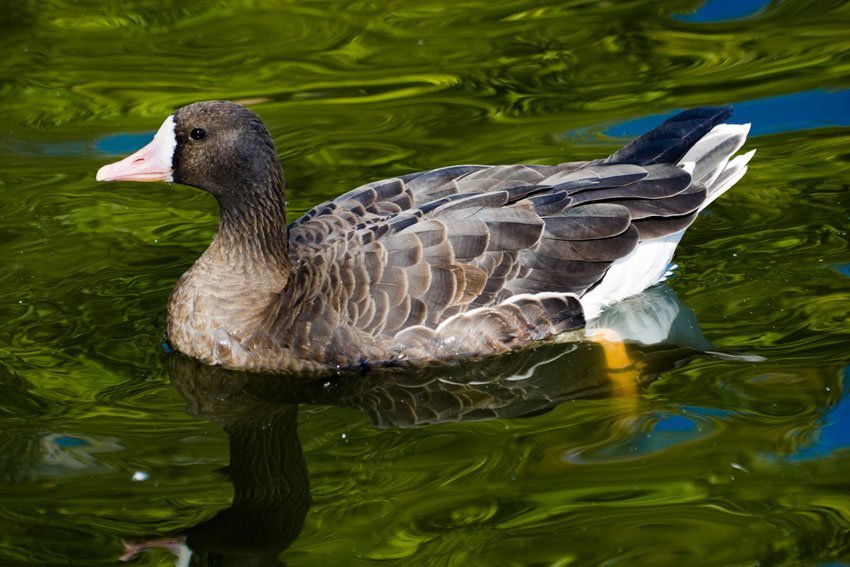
(459, 261)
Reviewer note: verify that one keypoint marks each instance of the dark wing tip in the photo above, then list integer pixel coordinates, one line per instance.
(669, 141)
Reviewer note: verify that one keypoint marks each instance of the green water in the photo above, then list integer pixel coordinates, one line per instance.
(546, 457)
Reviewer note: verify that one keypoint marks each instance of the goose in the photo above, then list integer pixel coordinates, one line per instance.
(458, 262)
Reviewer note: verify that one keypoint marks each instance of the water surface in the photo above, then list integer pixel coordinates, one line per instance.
(555, 456)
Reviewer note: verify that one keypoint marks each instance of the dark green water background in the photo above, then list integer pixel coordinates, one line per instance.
(688, 460)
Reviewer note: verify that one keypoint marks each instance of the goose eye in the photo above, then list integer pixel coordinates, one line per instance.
(198, 134)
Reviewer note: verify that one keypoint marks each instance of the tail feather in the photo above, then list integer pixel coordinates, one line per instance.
(709, 161)
(713, 150)
(732, 172)
(670, 141)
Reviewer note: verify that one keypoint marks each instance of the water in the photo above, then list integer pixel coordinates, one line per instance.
(556, 456)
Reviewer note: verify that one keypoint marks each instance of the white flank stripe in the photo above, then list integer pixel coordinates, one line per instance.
(642, 268)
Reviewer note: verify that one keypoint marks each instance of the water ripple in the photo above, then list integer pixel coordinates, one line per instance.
(734, 460)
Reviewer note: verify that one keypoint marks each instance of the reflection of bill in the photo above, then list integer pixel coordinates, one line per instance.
(621, 352)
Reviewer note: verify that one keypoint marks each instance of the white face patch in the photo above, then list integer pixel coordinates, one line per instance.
(165, 142)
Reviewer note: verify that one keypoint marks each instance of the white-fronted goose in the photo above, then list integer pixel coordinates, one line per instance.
(461, 261)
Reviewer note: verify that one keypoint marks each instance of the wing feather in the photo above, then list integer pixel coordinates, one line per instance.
(431, 250)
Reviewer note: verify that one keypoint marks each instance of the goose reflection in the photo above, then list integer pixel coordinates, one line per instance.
(620, 353)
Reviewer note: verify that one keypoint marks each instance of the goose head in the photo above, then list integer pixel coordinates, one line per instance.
(218, 146)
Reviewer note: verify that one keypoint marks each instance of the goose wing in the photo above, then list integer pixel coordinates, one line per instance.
(417, 251)
(501, 254)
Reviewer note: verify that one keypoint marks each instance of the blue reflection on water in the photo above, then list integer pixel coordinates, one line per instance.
(117, 144)
(656, 432)
(66, 441)
(834, 433)
(675, 423)
(785, 113)
(843, 269)
(723, 10)
(123, 143)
